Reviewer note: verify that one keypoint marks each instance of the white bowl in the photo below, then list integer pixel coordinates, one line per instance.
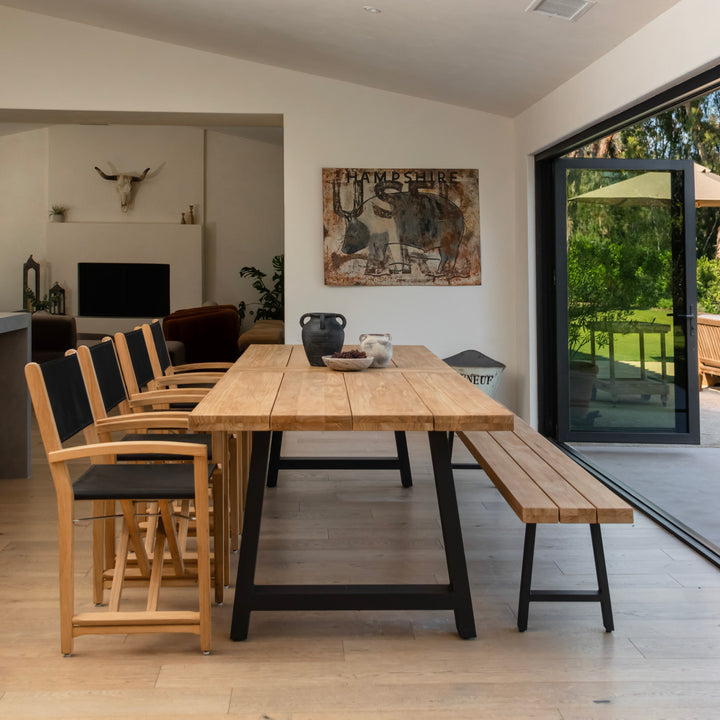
(347, 364)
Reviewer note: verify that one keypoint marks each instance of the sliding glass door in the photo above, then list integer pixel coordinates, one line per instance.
(625, 299)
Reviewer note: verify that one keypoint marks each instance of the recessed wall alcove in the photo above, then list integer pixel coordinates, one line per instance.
(180, 246)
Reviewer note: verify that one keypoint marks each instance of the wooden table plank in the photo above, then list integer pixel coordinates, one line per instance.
(457, 404)
(418, 357)
(298, 358)
(264, 356)
(239, 401)
(309, 400)
(385, 401)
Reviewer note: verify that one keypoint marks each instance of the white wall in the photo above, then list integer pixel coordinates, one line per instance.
(23, 212)
(326, 124)
(244, 222)
(175, 181)
(678, 45)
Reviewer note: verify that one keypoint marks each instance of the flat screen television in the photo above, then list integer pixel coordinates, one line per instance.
(123, 290)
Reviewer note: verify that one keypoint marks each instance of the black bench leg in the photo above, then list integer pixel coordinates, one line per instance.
(526, 577)
(275, 451)
(602, 578)
(244, 584)
(527, 594)
(452, 535)
(403, 458)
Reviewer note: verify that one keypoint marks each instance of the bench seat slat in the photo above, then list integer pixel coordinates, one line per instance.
(572, 506)
(530, 503)
(610, 507)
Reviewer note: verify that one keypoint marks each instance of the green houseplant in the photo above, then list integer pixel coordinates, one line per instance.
(271, 299)
(57, 213)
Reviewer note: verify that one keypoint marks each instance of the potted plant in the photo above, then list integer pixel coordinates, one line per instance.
(271, 301)
(57, 213)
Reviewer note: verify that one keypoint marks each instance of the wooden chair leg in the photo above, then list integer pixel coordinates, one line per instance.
(167, 527)
(98, 550)
(233, 480)
(136, 540)
(244, 469)
(67, 573)
(157, 567)
(119, 570)
(220, 539)
(202, 532)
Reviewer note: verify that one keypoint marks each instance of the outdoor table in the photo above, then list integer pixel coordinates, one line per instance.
(273, 388)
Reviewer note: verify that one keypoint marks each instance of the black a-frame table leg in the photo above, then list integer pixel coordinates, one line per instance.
(455, 596)
(275, 453)
(245, 582)
(452, 534)
(403, 458)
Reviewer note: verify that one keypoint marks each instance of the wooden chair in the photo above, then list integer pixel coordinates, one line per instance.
(63, 410)
(140, 376)
(134, 352)
(107, 393)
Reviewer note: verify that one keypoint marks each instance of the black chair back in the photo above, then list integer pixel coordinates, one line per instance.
(67, 395)
(139, 358)
(109, 375)
(160, 346)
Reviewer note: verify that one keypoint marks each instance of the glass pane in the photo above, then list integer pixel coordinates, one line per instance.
(624, 282)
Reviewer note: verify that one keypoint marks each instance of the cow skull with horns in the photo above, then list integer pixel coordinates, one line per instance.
(124, 185)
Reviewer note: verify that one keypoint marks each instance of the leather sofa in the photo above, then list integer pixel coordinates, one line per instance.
(209, 333)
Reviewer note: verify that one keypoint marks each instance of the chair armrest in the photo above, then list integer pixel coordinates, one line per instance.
(191, 367)
(189, 379)
(142, 421)
(167, 396)
(148, 447)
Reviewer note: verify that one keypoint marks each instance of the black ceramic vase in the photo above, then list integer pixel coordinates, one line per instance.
(322, 334)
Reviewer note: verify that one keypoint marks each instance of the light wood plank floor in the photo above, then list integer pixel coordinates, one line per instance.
(662, 661)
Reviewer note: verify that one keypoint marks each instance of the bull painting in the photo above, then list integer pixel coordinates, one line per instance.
(401, 227)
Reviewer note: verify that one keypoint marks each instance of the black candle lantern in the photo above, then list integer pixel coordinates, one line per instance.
(56, 296)
(30, 264)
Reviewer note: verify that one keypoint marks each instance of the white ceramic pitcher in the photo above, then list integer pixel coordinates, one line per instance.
(377, 346)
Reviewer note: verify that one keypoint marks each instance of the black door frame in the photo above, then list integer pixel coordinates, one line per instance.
(688, 423)
(546, 300)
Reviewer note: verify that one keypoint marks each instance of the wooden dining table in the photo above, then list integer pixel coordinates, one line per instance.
(273, 388)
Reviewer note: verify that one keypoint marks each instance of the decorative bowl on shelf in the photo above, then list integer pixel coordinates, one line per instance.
(347, 364)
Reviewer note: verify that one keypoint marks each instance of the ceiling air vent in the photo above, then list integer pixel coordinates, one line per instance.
(563, 9)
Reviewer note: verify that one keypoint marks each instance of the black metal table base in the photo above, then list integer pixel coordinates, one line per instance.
(278, 462)
(601, 595)
(454, 596)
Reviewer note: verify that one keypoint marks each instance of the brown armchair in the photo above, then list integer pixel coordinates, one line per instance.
(209, 333)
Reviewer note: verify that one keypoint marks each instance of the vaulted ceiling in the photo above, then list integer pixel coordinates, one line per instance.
(489, 55)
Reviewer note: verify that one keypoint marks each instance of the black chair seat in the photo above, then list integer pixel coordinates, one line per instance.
(203, 439)
(137, 482)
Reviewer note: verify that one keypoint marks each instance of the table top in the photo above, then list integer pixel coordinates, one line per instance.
(273, 387)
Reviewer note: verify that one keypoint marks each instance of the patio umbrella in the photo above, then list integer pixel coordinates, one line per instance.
(653, 188)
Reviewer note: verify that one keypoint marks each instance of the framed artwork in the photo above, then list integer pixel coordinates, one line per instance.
(401, 227)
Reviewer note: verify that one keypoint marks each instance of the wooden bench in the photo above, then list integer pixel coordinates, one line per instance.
(543, 485)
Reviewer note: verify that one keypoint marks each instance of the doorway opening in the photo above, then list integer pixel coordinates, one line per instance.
(617, 287)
